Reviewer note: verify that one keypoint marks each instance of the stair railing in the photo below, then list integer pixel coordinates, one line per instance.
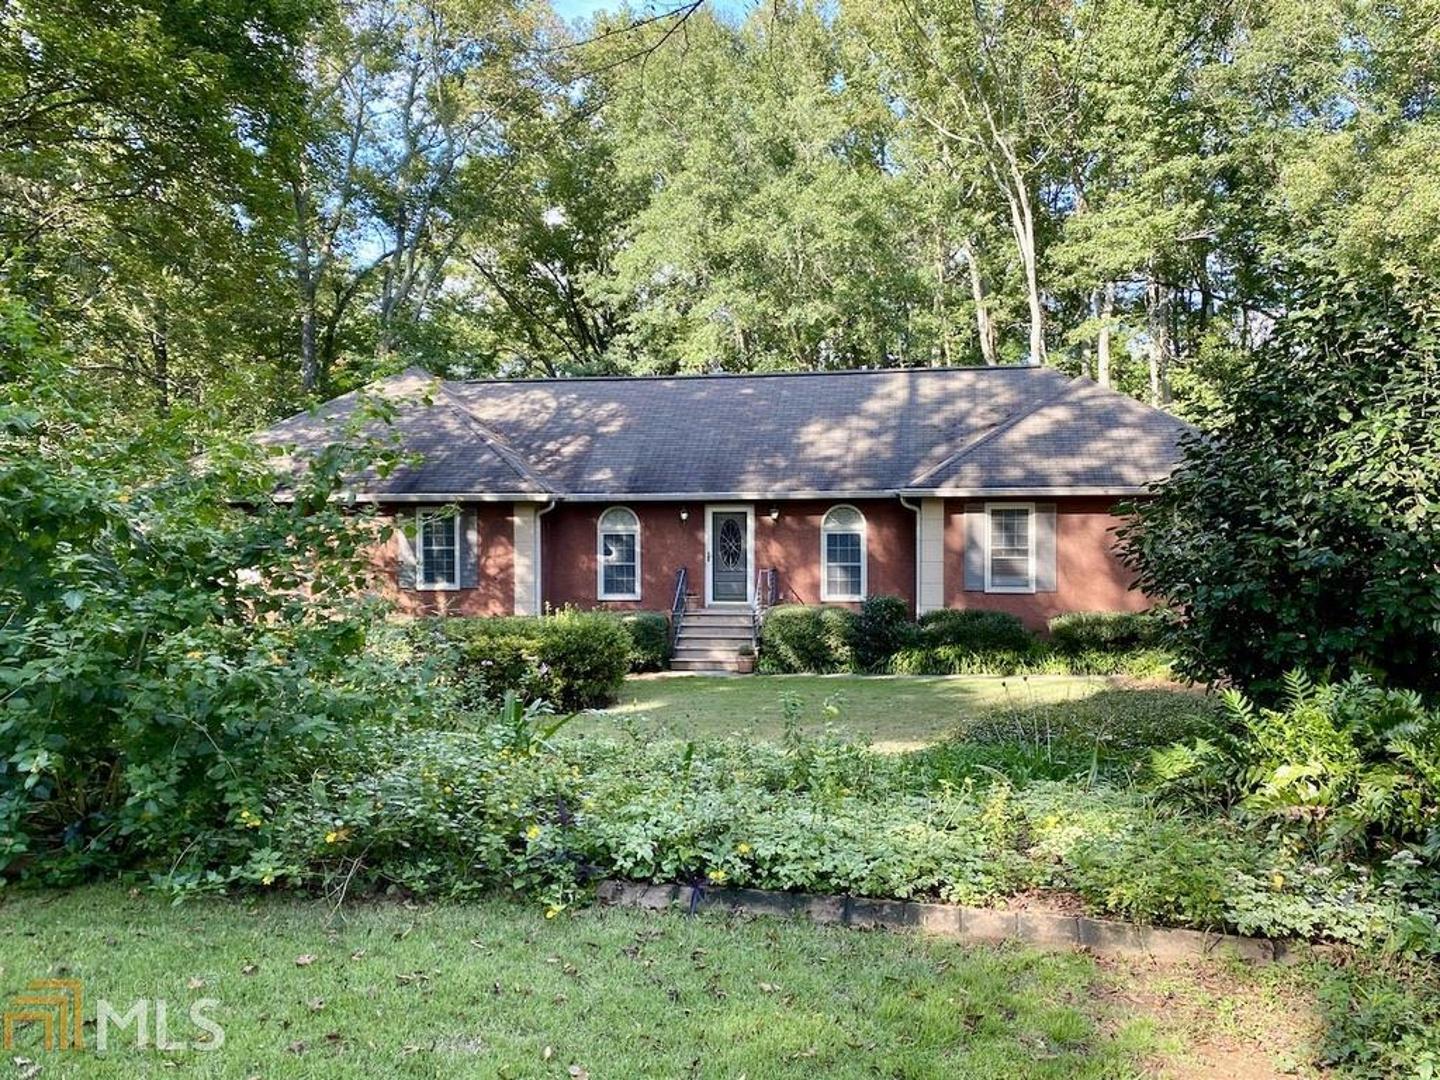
(766, 594)
(677, 607)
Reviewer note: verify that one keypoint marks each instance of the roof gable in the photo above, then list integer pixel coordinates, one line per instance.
(1085, 437)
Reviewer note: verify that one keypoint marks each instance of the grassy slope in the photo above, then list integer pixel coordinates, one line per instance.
(895, 713)
(484, 989)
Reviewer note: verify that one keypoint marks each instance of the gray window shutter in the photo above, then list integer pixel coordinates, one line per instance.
(405, 550)
(974, 547)
(469, 553)
(1045, 575)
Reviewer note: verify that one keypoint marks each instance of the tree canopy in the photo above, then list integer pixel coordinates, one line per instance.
(252, 206)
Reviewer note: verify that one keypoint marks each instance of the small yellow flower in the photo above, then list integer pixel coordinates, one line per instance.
(553, 910)
(250, 820)
(718, 877)
(743, 848)
(268, 879)
(337, 836)
(533, 832)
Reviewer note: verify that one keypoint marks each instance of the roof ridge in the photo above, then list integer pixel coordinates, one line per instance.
(505, 452)
(697, 375)
(1000, 428)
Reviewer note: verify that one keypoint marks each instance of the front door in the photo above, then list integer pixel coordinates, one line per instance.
(729, 556)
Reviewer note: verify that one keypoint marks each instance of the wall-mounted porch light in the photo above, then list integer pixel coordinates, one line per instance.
(774, 513)
(684, 513)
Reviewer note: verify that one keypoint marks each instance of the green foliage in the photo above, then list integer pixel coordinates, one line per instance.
(1106, 631)
(1165, 870)
(795, 638)
(649, 640)
(882, 629)
(1036, 660)
(1349, 770)
(572, 659)
(1299, 531)
(821, 640)
(164, 654)
(975, 631)
(1382, 1017)
(446, 813)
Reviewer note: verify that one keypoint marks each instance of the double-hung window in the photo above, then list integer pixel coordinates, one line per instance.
(438, 549)
(842, 554)
(1010, 548)
(619, 555)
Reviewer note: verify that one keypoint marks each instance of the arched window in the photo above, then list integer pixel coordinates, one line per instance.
(619, 555)
(842, 554)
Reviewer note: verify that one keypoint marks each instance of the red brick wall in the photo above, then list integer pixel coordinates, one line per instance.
(495, 592)
(790, 545)
(568, 553)
(1089, 576)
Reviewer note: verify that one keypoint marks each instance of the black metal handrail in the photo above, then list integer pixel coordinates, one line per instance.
(677, 607)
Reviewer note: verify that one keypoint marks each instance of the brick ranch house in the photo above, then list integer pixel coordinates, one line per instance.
(717, 495)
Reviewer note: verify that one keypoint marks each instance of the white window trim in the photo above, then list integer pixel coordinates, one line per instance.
(600, 530)
(1029, 507)
(825, 594)
(421, 584)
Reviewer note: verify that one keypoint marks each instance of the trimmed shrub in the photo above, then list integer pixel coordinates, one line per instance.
(796, 639)
(573, 659)
(975, 631)
(882, 629)
(1106, 631)
(1037, 660)
(649, 640)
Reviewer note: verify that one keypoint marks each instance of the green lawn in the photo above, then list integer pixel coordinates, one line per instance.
(495, 989)
(893, 712)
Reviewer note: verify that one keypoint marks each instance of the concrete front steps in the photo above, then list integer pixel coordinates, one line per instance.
(710, 639)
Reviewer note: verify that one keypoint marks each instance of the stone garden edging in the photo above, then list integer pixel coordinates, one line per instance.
(1041, 929)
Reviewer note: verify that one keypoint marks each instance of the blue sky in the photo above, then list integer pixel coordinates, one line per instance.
(578, 9)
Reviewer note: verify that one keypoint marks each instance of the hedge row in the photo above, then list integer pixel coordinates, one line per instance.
(880, 637)
(572, 659)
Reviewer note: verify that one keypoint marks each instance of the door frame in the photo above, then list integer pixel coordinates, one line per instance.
(730, 508)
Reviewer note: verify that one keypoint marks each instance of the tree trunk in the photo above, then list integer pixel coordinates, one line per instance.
(160, 360)
(1157, 314)
(1011, 180)
(305, 278)
(942, 324)
(1102, 339)
(980, 290)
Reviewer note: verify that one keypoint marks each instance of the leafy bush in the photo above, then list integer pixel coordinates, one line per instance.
(1105, 631)
(572, 659)
(1350, 768)
(821, 640)
(164, 655)
(796, 638)
(975, 631)
(882, 629)
(1299, 531)
(649, 640)
(1039, 659)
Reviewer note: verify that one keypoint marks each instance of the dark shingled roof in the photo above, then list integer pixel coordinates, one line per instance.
(961, 430)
